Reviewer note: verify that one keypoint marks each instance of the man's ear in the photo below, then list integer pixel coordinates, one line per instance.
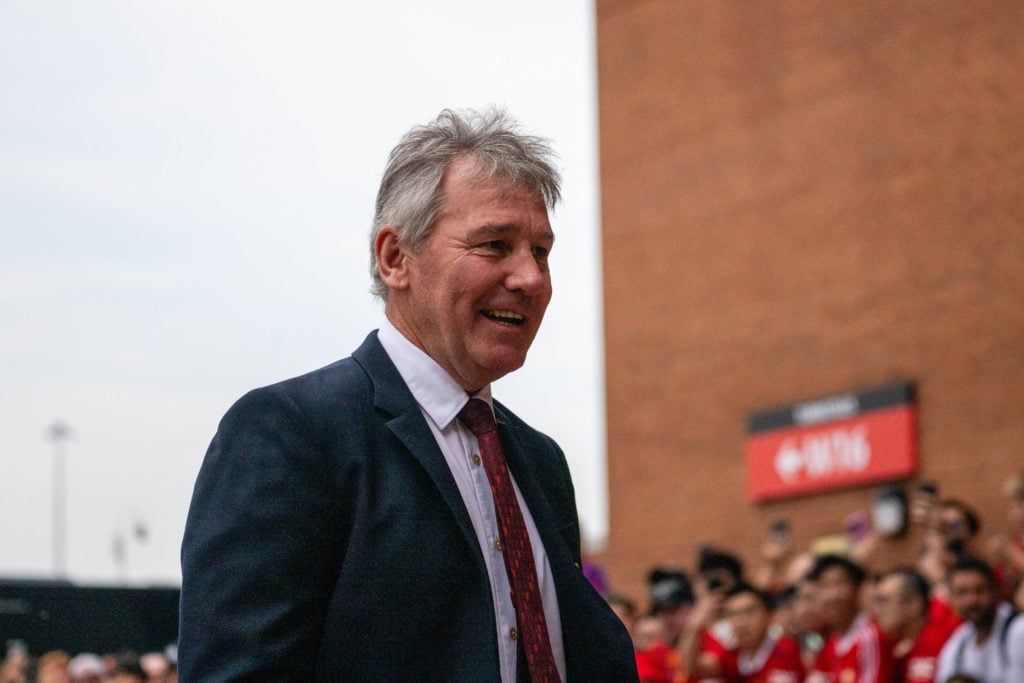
(392, 258)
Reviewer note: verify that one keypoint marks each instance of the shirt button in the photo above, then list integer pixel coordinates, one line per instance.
(513, 634)
(475, 458)
(497, 544)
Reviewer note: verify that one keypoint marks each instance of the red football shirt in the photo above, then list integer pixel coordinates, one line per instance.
(861, 655)
(920, 664)
(777, 661)
(658, 664)
(713, 647)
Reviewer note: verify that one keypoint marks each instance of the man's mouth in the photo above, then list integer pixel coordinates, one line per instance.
(504, 317)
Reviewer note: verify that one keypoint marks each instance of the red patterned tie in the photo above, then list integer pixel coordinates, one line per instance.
(515, 544)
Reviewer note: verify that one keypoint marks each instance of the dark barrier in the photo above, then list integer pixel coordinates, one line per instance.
(50, 615)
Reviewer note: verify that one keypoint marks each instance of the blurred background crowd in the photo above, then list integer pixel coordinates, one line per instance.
(57, 666)
(836, 612)
(799, 613)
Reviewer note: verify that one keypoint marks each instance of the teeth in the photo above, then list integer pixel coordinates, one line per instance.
(504, 315)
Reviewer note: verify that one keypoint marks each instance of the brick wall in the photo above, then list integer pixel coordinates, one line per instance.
(799, 199)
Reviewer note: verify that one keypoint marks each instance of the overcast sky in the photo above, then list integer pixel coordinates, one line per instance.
(185, 197)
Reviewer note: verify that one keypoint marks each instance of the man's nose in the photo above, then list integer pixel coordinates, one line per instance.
(526, 273)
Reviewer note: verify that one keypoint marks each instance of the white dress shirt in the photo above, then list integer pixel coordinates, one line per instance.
(1000, 659)
(440, 399)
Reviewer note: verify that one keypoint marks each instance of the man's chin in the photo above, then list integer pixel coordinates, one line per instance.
(496, 366)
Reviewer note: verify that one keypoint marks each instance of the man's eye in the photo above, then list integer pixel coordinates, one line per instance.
(540, 252)
(497, 245)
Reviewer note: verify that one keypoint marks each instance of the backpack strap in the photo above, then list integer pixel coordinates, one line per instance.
(1002, 638)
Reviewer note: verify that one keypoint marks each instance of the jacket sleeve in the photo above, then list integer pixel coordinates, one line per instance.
(261, 550)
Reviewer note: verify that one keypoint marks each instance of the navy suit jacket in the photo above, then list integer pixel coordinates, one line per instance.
(327, 541)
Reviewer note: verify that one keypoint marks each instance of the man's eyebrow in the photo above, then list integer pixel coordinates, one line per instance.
(499, 229)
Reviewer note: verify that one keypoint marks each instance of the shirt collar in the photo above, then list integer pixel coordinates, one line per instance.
(438, 395)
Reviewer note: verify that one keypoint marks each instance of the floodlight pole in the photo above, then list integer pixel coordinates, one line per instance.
(58, 433)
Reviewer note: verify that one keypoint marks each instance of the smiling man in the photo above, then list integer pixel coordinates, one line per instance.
(383, 518)
(989, 645)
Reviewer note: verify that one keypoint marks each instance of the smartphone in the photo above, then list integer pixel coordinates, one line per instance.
(858, 525)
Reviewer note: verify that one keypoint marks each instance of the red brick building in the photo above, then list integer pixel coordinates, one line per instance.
(801, 199)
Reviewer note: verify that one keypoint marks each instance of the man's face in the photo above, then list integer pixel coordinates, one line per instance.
(749, 620)
(806, 608)
(674, 619)
(894, 610)
(972, 596)
(838, 597)
(477, 290)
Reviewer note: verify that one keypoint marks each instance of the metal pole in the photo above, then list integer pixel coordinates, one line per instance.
(59, 433)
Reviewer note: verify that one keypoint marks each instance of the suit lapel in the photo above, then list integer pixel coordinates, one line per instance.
(393, 397)
(540, 508)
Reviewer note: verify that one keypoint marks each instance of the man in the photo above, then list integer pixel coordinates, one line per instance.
(719, 572)
(960, 525)
(989, 645)
(855, 651)
(369, 521)
(902, 608)
(671, 598)
(807, 624)
(759, 655)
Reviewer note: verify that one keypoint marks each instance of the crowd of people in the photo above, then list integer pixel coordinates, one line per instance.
(844, 616)
(798, 617)
(58, 666)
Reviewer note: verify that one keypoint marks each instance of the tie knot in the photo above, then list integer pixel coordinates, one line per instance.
(477, 415)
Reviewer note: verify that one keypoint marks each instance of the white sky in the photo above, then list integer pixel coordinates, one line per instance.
(185, 198)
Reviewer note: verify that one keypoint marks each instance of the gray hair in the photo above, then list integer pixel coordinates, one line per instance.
(410, 196)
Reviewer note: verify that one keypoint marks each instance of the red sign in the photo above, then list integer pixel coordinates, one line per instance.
(834, 442)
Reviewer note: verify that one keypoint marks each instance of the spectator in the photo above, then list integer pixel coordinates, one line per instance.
(701, 652)
(989, 645)
(855, 649)
(960, 525)
(720, 572)
(671, 598)
(775, 552)
(808, 624)
(901, 606)
(656, 662)
(53, 667)
(155, 665)
(127, 669)
(87, 668)
(758, 654)
(14, 668)
(950, 531)
(1006, 552)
